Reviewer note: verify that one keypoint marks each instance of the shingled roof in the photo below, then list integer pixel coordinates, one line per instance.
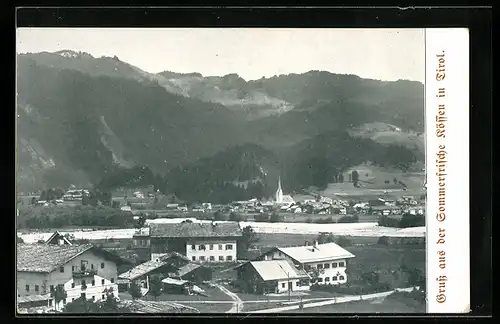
(46, 257)
(185, 230)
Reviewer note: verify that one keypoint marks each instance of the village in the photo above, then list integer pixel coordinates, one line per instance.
(209, 265)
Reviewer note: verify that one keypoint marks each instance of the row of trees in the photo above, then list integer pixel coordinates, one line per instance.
(85, 216)
(407, 220)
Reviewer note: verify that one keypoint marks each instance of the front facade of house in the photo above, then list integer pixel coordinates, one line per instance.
(86, 274)
(199, 242)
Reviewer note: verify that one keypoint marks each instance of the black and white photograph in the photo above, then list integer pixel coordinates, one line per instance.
(221, 170)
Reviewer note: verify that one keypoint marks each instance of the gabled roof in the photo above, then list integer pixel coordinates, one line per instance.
(56, 236)
(186, 230)
(187, 268)
(321, 252)
(46, 257)
(146, 267)
(277, 270)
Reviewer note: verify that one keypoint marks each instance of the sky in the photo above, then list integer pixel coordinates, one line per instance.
(382, 54)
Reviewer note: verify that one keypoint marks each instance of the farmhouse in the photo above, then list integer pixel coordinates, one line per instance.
(83, 270)
(274, 276)
(173, 265)
(325, 263)
(202, 242)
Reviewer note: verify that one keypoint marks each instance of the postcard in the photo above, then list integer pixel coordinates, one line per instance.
(242, 170)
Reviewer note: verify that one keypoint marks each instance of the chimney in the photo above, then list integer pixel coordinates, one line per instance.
(306, 243)
(315, 244)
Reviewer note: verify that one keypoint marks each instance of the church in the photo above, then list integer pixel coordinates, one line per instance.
(281, 199)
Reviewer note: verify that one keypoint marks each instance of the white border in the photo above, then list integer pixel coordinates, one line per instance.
(452, 175)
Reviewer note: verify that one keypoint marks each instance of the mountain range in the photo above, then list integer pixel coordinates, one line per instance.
(81, 118)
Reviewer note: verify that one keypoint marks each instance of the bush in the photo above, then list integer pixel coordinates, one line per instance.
(348, 219)
(410, 220)
(324, 220)
(276, 218)
(263, 217)
(343, 241)
(235, 217)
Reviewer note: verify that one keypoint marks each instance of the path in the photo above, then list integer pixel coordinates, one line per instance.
(237, 302)
(337, 300)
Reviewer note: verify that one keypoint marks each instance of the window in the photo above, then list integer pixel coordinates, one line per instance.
(93, 282)
(334, 265)
(193, 258)
(221, 258)
(282, 285)
(201, 247)
(211, 246)
(37, 288)
(327, 265)
(327, 279)
(102, 297)
(61, 269)
(341, 278)
(220, 246)
(50, 302)
(72, 285)
(51, 288)
(93, 298)
(112, 280)
(229, 247)
(320, 279)
(212, 258)
(64, 301)
(334, 278)
(297, 284)
(320, 266)
(202, 258)
(72, 268)
(83, 296)
(102, 265)
(27, 287)
(92, 266)
(229, 258)
(193, 247)
(279, 253)
(102, 282)
(341, 264)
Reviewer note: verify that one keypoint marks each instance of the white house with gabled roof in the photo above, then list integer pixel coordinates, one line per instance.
(328, 261)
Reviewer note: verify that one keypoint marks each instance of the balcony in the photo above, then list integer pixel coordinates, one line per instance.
(82, 273)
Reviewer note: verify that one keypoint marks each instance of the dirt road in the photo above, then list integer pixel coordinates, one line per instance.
(237, 302)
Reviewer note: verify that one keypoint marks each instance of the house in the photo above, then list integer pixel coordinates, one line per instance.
(83, 270)
(203, 242)
(172, 265)
(126, 208)
(272, 276)
(58, 239)
(140, 239)
(325, 263)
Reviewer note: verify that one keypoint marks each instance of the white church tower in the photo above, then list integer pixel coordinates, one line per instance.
(279, 193)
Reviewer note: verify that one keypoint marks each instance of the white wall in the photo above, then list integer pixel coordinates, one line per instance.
(283, 286)
(216, 253)
(331, 272)
(56, 277)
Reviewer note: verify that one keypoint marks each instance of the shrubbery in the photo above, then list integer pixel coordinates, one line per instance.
(408, 220)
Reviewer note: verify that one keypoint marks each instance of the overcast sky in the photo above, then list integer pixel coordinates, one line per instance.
(383, 54)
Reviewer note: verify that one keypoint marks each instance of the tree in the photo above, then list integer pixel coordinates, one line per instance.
(59, 294)
(218, 216)
(43, 195)
(82, 305)
(355, 177)
(155, 287)
(235, 217)
(248, 237)
(110, 304)
(33, 200)
(116, 204)
(276, 217)
(140, 222)
(135, 291)
(383, 240)
(325, 238)
(343, 241)
(19, 240)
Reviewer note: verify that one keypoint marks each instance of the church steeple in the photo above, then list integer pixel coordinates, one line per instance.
(279, 192)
